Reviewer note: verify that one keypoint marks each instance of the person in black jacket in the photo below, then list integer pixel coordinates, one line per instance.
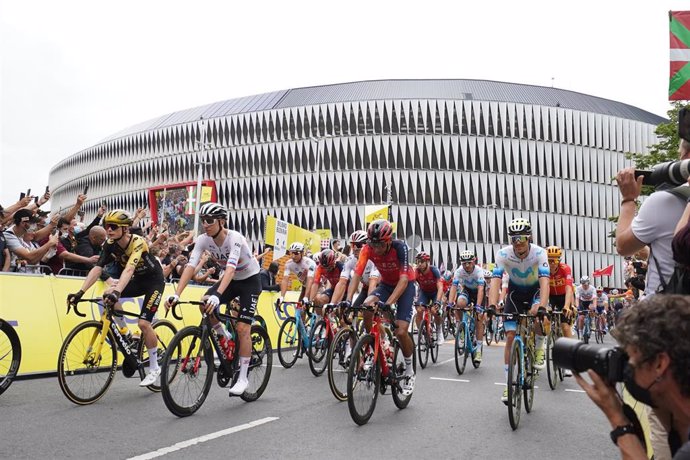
(268, 278)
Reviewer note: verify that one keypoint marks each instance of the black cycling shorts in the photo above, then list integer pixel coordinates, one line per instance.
(151, 286)
(248, 290)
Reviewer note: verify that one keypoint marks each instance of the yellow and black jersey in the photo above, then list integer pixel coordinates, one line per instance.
(135, 254)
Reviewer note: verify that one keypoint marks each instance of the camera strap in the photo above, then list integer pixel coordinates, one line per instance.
(631, 415)
(682, 192)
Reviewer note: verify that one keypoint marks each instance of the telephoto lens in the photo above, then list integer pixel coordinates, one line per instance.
(609, 362)
(671, 173)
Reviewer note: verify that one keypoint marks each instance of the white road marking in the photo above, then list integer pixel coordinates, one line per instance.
(574, 391)
(446, 361)
(449, 380)
(204, 438)
(503, 384)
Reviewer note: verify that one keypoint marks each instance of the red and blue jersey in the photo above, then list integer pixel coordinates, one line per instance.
(428, 281)
(391, 265)
(332, 276)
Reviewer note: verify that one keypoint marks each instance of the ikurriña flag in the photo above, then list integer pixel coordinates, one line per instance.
(679, 83)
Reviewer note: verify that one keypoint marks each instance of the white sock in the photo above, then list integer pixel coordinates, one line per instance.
(153, 359)
(539, 342)
(505, 368)
(409, 370)
(244, 368)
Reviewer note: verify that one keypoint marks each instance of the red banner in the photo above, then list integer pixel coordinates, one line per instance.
(606, 271)
(679, 82)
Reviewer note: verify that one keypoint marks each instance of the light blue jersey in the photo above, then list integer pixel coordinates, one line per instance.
(524, 273)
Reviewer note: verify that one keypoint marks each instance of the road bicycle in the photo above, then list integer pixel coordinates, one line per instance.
(375, 365)
(88, 358)
(599, 332)
(10, 355)
(521, 371)
(466, 344)
(294, 337)
(449, 322)
(586, 332)
(427, 340)
(320, 338)
(187, 371)
(553, 372)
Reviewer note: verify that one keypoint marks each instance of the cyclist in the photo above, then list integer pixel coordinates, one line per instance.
(328, 270)
(303, 268)
(240, 279)
(469, 280)
(447, 280)
(584, 295)
(528, 287)
(602, 308)
(141, 274)
(430, 290)
(370, 276)
(390, 258)
(561, 288)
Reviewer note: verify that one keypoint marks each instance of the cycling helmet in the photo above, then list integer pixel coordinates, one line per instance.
(584, 280)
(448, 275)
(554, 252)
(467, 256)
(118, 217)
(488, 274)
(380, 231)
(358, 237)
(327, 258)
(423, 256)
(296, 247)
(214, 210)
(614, 292)
(519, 226)
(600, 289)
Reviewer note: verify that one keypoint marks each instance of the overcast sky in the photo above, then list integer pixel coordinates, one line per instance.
(74, 72)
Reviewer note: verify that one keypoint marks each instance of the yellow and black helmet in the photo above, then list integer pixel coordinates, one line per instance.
(118, 217)
(554, 252)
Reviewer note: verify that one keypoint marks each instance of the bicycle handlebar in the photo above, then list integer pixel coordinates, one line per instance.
(99, 301)
(186, 302)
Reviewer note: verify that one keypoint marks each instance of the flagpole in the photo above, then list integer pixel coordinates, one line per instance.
(200, 163)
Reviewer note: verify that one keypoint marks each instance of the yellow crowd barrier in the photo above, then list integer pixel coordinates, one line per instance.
(36, 306)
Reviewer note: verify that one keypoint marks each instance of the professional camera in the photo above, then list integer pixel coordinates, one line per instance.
(669, 172)
(608, 362)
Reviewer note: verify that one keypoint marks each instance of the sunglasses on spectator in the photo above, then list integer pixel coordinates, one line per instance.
(208, 220)
(518, 239)
(112, 227)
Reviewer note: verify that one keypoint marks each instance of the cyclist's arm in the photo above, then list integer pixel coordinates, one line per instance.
(92, 277)
(373, 283)
(339, 290)
(480, 294)
(568, 296)
(398, 291)
(452, 293)
(313, 288)
(494, 290)
(187, 274)
(439, 290)
(8, 257)
(544, 287)
(308, 284)
(225, 281)
(124, 279)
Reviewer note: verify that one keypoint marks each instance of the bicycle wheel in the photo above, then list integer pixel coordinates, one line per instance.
(530, 374)
(84, 377)
(514, 390)
(488, 335)
(363, 381)
(460, 354)
(318, 345)
(10, 355)
(599, 335)
(339, 362)
(434, 343)
(165, 331)
(289, 343)
(399, 399)
(423, 344)
(260, 364)
(551, 370)
(187, 372)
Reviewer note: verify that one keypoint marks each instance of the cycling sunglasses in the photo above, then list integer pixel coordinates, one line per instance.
(519, 239)
(112, 227)
(208, 220)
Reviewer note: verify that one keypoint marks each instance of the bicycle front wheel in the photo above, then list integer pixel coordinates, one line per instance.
(318, 348)
(165, 331)
(551, 369)
(339, 362)
(10, 355)
(434, 344)
(423, 344)
(489, 334)
(514, 386)
(187, 372)
(289, 343)
(85, 374)
(528, 386)
(260, 364)
(363, 381)
(460, 352)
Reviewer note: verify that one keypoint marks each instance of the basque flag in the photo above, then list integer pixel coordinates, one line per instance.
(679, 83)
(606, 271)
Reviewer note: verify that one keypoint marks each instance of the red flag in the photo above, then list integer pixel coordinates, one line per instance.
(606, 271)
(679, 83)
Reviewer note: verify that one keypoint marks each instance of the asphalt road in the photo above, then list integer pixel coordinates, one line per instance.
(450, 416)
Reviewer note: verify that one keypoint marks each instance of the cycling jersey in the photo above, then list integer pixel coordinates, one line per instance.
(234, 252)
(524, 273)
(428, 281)
(446, 285)
(302, 269)
(560, 280)
(585, 294)
(391, 265)
(602, 300)
(369, 271)
(471, 280)
(136, 255)
(332, 276)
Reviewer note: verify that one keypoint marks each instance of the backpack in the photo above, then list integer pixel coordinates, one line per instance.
(679, 283)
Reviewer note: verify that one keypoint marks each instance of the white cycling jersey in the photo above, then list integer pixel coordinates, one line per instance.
(369, 271)
(585, 294)
(471, 280)
(234, 252)
(303, 270)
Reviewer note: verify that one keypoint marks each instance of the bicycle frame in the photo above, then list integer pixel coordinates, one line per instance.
(469, 319)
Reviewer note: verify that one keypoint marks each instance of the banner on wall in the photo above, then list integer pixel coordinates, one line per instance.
(326, 236)
(278, 233)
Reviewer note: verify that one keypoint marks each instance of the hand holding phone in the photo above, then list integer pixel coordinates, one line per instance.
(86, 189)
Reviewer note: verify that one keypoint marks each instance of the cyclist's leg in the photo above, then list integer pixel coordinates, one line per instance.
(539, 338)
(381, 293)
(152, 289)
(403, 317)
(248, 290)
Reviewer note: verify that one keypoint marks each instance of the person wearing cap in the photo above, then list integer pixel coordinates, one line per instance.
(18, 247)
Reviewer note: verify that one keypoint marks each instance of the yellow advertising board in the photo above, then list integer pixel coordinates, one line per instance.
(281, 234)
(375, 212)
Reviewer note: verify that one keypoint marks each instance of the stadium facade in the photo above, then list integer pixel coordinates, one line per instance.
(458, 159)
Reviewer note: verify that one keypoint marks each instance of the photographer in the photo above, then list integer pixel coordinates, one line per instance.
(654, 335)
(634, 232)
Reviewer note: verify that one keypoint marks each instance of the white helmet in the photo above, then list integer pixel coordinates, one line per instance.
(519, 226)
(296, 247)
(584, 279)
(467, 256)
(358, 236)
(214, 210)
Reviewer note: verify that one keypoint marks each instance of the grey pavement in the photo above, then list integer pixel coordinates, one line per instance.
(446, 418)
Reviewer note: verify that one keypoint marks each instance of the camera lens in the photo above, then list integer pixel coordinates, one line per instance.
(606, 361)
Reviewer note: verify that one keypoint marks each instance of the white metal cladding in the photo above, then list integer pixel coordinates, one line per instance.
(459, 170)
